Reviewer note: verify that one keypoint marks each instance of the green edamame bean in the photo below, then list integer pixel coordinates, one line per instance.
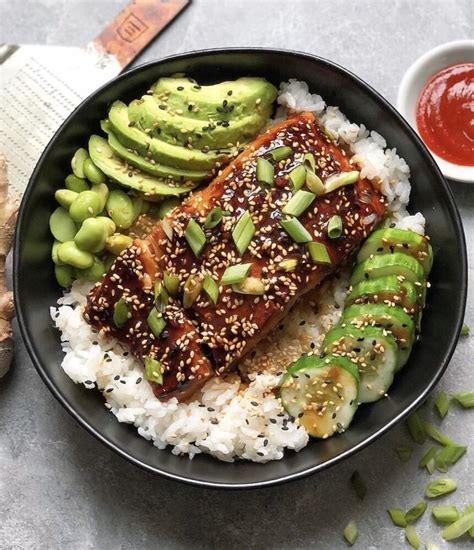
(86, 205)
(137, 203)
(167, 205)
(65, 197)
(120, 208)
(116, 243)
(64, 275)
(70, 254)
(93, 273)
(109, 225)
(91, 236)
(61, 225)
(103, 191)
(77, 162)
(73, 183)
(93, 173)
(54, 253)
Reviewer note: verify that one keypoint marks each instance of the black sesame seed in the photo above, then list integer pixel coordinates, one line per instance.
(254, 403)
(138, 380)
(117, 377)
(180, 88)
(273, 420)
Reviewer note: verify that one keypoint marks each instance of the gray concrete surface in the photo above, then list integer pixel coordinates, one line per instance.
(59, 488)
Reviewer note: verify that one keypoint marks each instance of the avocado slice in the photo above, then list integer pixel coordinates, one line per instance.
(117, 169)
(160, 170)
(153, 116)
(227, 100)
(160, 151)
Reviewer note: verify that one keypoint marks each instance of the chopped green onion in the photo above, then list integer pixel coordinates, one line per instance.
(448, 456)
(265, 171)
(465, 330)
(431, 466)
(350, 532)
(319, 253)
(195, 237)
(161, 295)
(465, 399)
(235, 274)
(297, 177)
(358, 484)
(439, 487)
(458, 528)
(416, 428)
(432, 431)
(427, 458)
(298, 203)
(296, 230)
(309, 162)
(192, 289)
(412, 536)
(335, 227)
(468, 509)
(279, 153)
(213, 218)
(243, 232)
(288, 265)
(431, 546)
(441, 404)
(250, 285)
(171, 282)
(120, 316)
(338, 180)
(314, 183)
(397, 516)
(416, 512)
(404, 453)
(153, 370)
(445, 514)
(168, 229)
(156, 322)
(211, 288)
(329, 133)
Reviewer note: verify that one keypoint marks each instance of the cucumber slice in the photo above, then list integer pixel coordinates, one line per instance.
(391, 240)
(321, 393)
(375, 352)
(386, 290)
(391, 318)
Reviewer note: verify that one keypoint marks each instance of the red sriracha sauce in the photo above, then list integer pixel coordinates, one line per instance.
(445, 114)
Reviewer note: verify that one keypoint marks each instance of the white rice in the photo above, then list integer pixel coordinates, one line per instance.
(227, 420)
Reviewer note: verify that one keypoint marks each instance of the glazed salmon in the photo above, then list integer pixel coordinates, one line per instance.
(225, 331)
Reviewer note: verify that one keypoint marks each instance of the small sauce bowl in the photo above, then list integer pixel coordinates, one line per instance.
(413, 82)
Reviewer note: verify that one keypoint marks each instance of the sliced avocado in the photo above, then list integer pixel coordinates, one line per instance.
(153, 116)
(117, 169)
(224, 101)
(155, 169)
(160, 151)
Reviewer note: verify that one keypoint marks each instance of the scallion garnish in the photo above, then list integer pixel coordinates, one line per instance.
(339, 180)
(120, 315)
(428, 459)
(211, 288)
(397, 515)
(153, 370)
(319, 253)
(404, 453)
(416, 512)
(297, 177)
(314, 183)
(251, 285)
(437, 435)
(448, 456)
(243, 232)
(288, 265)
(279, 153)
(171, 282)
(191, 291)
(296, 230)
(335, 227)
(265, 171)
(412, 536)
(439, 487)
(235, 274)
(465, 399)
(156, 322)
(309, 162)
(298, 203)
(213, 218)
(416, 428)
(445, 514)
(441, 404)
(457, 529)
(350, 532)
(195, 237)
(161, 295)
(358, 484)
(465, 330)
(467, 510)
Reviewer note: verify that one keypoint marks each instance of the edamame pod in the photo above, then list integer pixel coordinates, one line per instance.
(92, 173)
(54, 253)
(78, 185)
(86, 205)
(77, 162)
(103, 191)
(64, 275)
(120, 208)
(93, 273)
(92, 235)
(61, 225)
(65, 197)
(116, 243)
(70, 254)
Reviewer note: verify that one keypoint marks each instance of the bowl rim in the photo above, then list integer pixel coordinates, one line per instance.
(412, 83)
(68, 406)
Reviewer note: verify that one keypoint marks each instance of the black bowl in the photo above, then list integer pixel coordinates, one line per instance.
(36, 289)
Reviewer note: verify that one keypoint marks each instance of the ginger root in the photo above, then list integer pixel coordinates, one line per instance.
(8, 213)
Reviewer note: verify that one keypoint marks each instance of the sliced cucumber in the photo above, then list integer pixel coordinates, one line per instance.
(391, 240)
(373, 350)
(391, 318)
(321, 393)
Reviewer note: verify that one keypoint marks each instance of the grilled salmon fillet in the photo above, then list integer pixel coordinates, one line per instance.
(225, 331)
